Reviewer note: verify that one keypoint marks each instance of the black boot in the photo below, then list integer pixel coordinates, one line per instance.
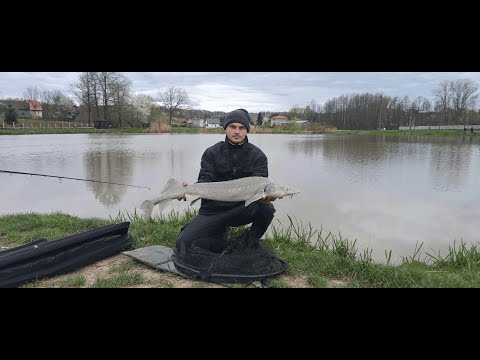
(253, 241)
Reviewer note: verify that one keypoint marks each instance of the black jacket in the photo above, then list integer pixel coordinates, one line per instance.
(224, 161)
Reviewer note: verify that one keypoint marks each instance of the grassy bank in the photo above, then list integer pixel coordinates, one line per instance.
(257, 130)
(174, 130)
(314, 259)
(407, 132)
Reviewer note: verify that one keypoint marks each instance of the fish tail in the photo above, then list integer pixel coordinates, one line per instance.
(172, 190)
(147, 208)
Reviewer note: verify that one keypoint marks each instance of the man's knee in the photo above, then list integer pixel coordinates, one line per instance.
(200, 227)
(182, 241)
(186, 236)
(267, 211)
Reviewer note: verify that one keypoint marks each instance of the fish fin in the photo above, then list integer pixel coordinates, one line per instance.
(163, 204)
(194, 201)
(254, 198)
(148, 205)
(171, 185)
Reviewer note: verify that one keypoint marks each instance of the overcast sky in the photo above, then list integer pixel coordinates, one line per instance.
(254, 91)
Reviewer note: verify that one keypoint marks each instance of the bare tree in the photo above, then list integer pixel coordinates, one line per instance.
(121, 95)
(463, 97)
(84, 91)
(295, 111)
(395, 111)
(32, 93)
(174, 99)
(97, 92)
(103, 81)
(426, 108)
(443, 98)
(49, 101)
(311, 111)
(416, 109)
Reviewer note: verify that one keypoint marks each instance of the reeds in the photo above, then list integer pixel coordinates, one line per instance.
(159, 128)
(459, 258)
(300, 233)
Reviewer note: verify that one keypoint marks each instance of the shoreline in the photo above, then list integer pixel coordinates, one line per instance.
(182, 130)
(314, 260)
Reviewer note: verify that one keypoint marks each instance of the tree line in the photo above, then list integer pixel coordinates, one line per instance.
(107, 97)
(454, 103)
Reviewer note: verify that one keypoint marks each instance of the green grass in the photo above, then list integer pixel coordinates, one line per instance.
(192, 130)
(73, 281)
(317, 281)
(458, 258)
(291, 129)
(122, 279)
(407, 132)
(279, 283)
(26, 227)
(69, 282)
(318, 258)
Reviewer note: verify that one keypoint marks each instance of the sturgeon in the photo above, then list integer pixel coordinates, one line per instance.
(248, 189)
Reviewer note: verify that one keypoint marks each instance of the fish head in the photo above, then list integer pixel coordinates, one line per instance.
(278, 190)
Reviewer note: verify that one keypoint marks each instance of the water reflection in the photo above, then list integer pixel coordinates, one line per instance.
(110, 162)
(307, 145)
(357, 153)
(351, 159)
(369, 158)
(450, 163)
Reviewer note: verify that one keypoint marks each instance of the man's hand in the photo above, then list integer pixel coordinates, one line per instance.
(184, 197)
(267, 199)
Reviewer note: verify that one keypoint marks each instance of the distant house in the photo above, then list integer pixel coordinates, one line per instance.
(31, 109)
(278, 120)
(212, 123)
(35, 109)
(196, 122)
(303, 122)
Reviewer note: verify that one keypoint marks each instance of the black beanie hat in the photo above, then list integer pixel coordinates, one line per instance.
(240, 116)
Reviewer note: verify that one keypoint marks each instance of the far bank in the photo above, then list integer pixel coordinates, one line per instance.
(255, 130)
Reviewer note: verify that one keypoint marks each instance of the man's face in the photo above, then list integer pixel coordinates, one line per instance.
(236, 132)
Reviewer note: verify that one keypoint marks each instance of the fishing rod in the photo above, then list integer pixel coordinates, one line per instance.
(70, 178)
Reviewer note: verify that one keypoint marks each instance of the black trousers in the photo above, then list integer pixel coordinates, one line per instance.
(208, 231)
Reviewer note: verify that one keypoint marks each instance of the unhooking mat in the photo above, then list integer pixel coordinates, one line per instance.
(157, 256)
(162, 258)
